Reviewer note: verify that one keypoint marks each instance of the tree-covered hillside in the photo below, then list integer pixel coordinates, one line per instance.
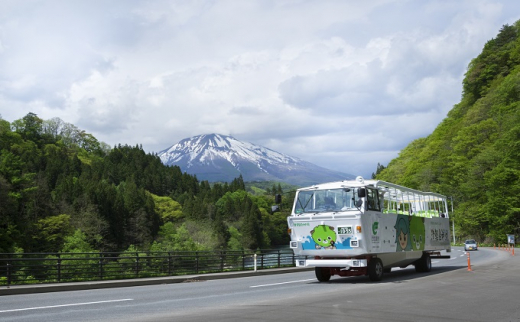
(61, 190)
(474, 154)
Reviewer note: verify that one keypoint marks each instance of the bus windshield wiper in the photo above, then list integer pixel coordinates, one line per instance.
(300, 202)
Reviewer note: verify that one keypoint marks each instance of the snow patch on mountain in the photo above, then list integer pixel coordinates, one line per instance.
(215, 157)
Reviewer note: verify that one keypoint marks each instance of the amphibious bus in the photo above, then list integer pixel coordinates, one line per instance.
(366, 227)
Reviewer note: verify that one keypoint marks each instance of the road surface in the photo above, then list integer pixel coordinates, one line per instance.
(448, 293)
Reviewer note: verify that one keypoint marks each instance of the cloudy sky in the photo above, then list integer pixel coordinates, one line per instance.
(342, 84)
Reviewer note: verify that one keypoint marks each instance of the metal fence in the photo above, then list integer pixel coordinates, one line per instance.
(34, 268)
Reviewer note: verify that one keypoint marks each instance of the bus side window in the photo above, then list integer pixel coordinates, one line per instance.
(373, 200)
(381, 197)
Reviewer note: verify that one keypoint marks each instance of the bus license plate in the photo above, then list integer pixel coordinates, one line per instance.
(345, 230)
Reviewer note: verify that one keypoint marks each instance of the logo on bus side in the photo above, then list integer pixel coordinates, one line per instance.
(375, 226)
(375, 237)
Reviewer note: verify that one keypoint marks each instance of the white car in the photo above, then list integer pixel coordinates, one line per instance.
(470, 245)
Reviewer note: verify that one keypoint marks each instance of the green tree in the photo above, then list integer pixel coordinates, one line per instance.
(52, 231)
(168, 209)
(379, 169)
(77, 243)
(251, 228)
(30, 126)
(174, 239)
(220, 233)
(235, 239)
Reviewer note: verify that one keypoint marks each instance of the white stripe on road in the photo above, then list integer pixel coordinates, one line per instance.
(291, 282)
(65, 305)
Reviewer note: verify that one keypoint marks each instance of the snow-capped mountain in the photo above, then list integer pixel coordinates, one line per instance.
(215, 158)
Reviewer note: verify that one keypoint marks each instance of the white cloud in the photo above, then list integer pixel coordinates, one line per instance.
(342, 84)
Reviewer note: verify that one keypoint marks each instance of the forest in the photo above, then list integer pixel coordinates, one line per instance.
(473, 156)
(61, 190)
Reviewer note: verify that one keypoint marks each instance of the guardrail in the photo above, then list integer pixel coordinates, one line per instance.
(34, 268)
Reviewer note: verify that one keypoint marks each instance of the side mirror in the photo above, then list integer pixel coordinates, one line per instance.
(275, 208)
(362, 192)
(278, 198)
(359, 203)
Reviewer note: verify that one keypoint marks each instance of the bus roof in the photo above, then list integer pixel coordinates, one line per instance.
(393, 192)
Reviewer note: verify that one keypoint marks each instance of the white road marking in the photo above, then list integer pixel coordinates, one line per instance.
(283, 283)
(65, 305)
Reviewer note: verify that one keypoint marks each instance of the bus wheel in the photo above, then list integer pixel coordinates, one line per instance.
(322, 274)
(424, 264)
(375, 269)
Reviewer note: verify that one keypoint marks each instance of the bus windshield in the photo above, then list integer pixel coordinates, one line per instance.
(329, 200)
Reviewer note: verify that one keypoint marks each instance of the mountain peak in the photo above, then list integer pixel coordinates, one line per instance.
(216, 157)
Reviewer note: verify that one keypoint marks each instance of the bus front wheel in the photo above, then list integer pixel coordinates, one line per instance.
(322, 274)
(375, 269)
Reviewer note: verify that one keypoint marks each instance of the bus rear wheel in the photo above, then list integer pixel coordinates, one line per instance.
(322, 274)
(424, 264)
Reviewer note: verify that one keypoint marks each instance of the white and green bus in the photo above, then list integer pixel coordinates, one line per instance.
(366, 227)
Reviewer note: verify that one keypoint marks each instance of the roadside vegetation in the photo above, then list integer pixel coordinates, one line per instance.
(63, 190)
(473, 155)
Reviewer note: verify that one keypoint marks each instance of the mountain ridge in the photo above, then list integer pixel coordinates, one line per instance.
(216, 157)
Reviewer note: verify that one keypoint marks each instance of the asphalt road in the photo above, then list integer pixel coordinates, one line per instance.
(448, 293)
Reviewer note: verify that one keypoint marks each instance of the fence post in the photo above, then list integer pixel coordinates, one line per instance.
(59, 267)
(100, 266)
(169, 263)
(196, 262)
(221, 261)
(279, 255)
(8, 274)
(243, 260)
(137, 265)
